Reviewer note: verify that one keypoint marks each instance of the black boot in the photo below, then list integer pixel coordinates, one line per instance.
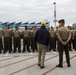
(59, 65)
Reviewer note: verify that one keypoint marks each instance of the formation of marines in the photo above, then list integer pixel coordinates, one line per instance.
(10, 40)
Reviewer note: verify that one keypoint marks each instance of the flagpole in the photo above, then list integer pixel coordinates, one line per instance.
(55, 13)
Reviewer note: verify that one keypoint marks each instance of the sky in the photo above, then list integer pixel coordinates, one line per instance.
(37, 10)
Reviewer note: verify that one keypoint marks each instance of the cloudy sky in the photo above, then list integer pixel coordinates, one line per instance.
(37, 10)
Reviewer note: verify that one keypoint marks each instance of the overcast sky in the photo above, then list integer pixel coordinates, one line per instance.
(37, 10)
